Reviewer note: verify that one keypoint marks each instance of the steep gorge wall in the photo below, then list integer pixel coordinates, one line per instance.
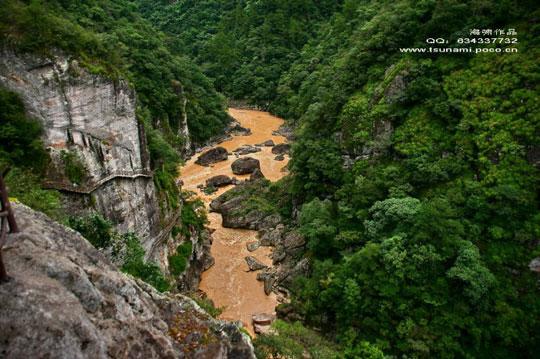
(92, 119)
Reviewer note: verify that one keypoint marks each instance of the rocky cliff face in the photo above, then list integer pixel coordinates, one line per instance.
(97, 146)
(65, 300)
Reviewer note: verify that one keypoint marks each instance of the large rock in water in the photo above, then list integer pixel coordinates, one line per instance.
(219, 181)
(232, 207)
(281, 149)
(256, 175)
(254, 264)
(213, 155)
(230, 212)
(65, 300)
(245, 165)
(247, 149)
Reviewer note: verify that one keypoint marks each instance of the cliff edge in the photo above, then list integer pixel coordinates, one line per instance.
(66, 300)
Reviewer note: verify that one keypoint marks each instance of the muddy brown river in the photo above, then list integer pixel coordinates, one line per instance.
(228, 283)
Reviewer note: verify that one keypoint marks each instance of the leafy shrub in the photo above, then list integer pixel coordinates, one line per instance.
(135, 264)
(96, 229)
(73, 167)
(208, 306)
(178, 262)
(176, 230)
(293, 340)
(25, 186)
(193, 213)
(185, 249)
(209, 190)
(20, 143)
(21, 149)
(126, 247)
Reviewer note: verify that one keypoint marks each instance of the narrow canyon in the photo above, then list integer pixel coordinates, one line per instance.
(229, 283)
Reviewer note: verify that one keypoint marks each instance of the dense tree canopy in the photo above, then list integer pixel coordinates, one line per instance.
(243, 45)
(422, 247)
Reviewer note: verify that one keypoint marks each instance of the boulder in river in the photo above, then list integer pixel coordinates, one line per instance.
(263, 329)
(287, 312)
(269, 278)
(235, 213)
(271, 237)
(250, 220)
(262, 323)
(255, 175)
(245, 165)
(253, 246)
(284, 131)
(213, 155)
(237, 130)
(254, 264)
(219, 181)
(268, 143)
(262, 319)
(293, 239)
(278, 255)
(281, 148)
(246, 149)
(270, 221)
(223, 204)
(279, 158)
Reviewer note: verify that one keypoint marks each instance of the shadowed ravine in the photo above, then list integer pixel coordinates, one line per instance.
(228, 283)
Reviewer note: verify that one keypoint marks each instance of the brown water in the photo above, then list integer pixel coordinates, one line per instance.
(228, 283)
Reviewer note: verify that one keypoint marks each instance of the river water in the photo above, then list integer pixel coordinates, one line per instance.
(228, 283)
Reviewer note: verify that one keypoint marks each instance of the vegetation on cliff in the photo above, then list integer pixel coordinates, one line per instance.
(125, 249)
(21, 149)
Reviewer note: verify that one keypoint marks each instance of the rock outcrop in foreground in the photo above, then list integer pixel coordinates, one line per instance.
(65, 300)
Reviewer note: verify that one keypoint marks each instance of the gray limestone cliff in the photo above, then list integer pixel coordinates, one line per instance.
(90, 128)
(66, 300)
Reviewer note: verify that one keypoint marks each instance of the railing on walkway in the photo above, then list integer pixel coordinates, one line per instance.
(8, 219)
(92, 186)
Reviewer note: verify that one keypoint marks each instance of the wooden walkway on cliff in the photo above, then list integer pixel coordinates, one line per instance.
(91, 186)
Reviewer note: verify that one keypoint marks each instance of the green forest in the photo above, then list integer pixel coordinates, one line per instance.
(414, 177)
(420, 247)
